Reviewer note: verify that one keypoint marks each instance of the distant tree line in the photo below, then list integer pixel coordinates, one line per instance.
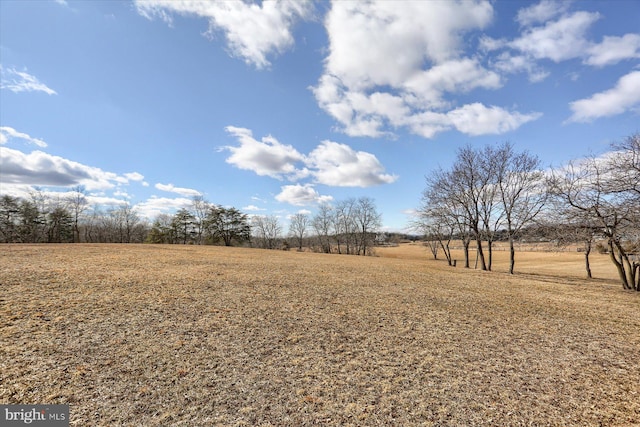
(42, 218)
(496, 193)
(349, 227)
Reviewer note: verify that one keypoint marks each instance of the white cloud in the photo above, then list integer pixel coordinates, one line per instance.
(614, 49)
(252, 208)
(552, 33)
(7, 133)
(267, 157)
(557, 40)
(43, 169)
(178, 190)
(409, 78)
(134, 176)
(301, 195)
(541, 12)
(253, 31)
(339, 165)
(329, 163)
(509, 63)
(155, 206)
(21, 81)
(477, 119)
(622, 97)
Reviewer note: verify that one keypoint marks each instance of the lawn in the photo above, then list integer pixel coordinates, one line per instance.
(132, 335)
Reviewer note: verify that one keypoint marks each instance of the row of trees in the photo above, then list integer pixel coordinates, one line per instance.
(495, 192)
(349, 227)
(68, 219)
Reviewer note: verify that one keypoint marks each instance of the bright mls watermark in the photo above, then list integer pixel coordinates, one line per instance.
(35, 415)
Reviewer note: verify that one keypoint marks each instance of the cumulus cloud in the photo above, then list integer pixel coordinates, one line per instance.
(155, 206)
(253, 31)
(551, 32)
(178, 190)
(412, 76)
(340, 166)
(7, 133)
(301, 195)
(42, 169)
(613, 50)
(624, 96)
(266, 157)
(330, 163)
(541, 12)
(557, 40)
(20, 81)
(477, 119)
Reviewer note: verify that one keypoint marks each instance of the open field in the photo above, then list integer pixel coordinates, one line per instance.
(539, 260)
(182, 335)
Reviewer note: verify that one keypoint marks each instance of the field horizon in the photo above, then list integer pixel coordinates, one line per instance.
(201, 335)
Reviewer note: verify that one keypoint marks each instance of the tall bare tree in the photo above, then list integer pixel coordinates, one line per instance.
(322, 224)
(267, 229)
(77, 202)
(522, 191)
(200, 208)
(298, 227)
(369, 221)
(606, 190)
(468, 189)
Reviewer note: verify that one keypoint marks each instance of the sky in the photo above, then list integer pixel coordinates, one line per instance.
(275, 107)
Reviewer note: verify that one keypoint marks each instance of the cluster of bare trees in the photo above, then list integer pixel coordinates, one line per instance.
(495, 192)
(599, 198)
(487, 191)
(41, 218)
(348, 227)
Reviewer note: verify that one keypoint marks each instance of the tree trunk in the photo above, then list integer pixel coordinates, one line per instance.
(619, 265)
(480, 253)
(587, 251)
(512, 255)
(466, 244)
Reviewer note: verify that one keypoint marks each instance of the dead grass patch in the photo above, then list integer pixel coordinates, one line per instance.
(177, 335)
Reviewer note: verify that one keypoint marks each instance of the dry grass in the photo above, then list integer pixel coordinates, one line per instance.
(174, 335)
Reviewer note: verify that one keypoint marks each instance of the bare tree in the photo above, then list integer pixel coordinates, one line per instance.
(298, 226)
(345, 226)
(521, 189)
(369, 221)
(77, 202)
(200, 208)
(606, 190)
(466, 186)
(267, 229)
(322, 224)
(441, 200)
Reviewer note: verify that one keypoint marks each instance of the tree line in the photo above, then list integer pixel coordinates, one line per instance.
(495, 192)
(349, 227)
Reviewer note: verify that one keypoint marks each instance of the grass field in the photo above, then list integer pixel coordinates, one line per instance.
(133, 335)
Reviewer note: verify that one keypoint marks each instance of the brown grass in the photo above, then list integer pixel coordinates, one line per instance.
(176, 335)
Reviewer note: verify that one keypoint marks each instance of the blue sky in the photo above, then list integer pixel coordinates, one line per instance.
(275, 107)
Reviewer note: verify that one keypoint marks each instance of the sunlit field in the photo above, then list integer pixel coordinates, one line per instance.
(540, 260)
(132, 335)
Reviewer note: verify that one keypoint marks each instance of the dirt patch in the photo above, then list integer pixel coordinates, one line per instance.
(180, 335)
